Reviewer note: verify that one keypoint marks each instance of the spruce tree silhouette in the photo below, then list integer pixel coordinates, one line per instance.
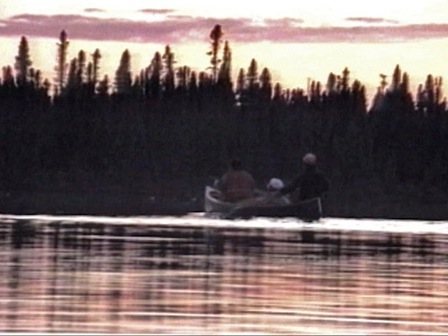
(216, 40)
(61, 59)
(23, 62)
(123, 78)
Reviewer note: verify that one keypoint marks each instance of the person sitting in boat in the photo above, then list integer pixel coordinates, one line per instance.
(237, 184)
(311, 183)
(269, 198)
(274, 197)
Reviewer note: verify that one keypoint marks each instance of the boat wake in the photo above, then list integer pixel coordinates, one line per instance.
(200, 219)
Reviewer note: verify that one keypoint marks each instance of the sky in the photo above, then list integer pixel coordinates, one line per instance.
(297, 41)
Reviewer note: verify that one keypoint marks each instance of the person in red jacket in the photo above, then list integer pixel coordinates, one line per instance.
(237, 184)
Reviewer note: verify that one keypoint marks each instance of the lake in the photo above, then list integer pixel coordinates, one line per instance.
(199, 275)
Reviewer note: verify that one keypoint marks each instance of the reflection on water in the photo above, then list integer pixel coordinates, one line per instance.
(203, 276)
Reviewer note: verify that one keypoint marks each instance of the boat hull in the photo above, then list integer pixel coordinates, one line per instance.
(308, 210)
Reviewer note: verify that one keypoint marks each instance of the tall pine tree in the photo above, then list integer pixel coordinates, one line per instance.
(23, 62)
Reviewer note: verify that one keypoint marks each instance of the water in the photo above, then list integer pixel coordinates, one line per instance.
(197, 275)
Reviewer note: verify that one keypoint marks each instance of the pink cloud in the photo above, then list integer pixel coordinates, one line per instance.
(176, 28)
(372, 20)
(156, 11)
(93, 10)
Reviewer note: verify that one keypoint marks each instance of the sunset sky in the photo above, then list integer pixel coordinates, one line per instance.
(295, 40)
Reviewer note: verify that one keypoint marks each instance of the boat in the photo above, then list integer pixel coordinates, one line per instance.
(309, 210)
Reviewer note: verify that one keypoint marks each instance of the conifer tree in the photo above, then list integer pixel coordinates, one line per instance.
(90, 73)
(96, 61)
(72, 79)
(405, 83)
(193, 85)
(345, 79)
(216, 40)
(8, 77)
(241, 79)
(225, 71)
(168, 58)
(36, 78)
(266, 83)
(183, 75)
(61, 66)
(396, 78)
(81, 67)
(383, 83)
(331, 83)
(23, 62)
(154, 72)
(123, 77)
(46, 85)
(240, 87)
(103, 86)
(277, 91)
(252, 75)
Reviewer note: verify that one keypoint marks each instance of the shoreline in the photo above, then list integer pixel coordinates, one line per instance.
(178, 199)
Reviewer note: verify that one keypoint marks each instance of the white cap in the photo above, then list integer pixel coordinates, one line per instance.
(275, 184)
(309, 159)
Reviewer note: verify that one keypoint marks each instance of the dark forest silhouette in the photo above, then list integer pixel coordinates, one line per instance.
(172, 123)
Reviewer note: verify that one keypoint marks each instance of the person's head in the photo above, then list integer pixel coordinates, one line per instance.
(236, 164)
(275, 184)
(309, 159)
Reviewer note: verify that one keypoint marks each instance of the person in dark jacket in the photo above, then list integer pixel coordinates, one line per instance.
(237, 184)
(310, 184)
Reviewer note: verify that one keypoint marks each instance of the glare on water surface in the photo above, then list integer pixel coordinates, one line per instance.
(198, 275)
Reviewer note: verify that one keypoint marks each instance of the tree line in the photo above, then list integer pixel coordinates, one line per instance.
(170, 122)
